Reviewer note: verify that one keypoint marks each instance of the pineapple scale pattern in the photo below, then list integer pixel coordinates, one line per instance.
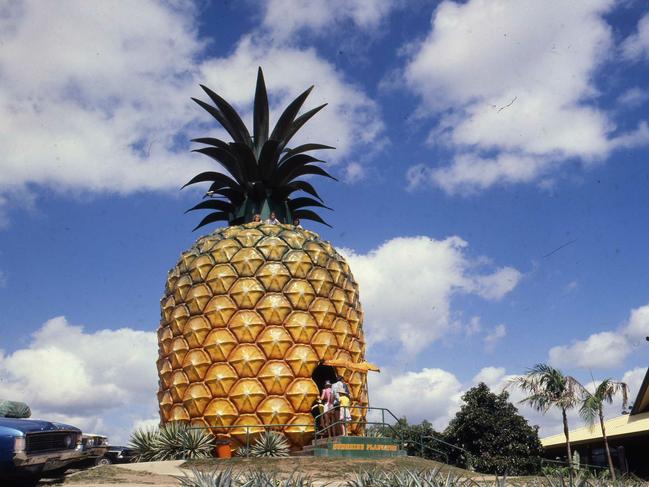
(249, 312)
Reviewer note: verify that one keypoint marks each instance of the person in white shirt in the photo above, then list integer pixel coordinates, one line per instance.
(273, 219)
(338, 389)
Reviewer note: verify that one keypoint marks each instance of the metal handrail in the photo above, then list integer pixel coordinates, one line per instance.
(419, 442)
(368, 408)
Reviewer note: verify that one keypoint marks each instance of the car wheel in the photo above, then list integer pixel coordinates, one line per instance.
(103, 461)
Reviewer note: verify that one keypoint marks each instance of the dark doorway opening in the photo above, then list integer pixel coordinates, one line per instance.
(323, 373)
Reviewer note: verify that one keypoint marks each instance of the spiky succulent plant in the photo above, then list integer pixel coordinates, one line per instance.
(263, 171)
(173, 441)
(270, 444)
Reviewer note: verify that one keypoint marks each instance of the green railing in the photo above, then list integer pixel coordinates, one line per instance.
(326, 430)
(418, 442)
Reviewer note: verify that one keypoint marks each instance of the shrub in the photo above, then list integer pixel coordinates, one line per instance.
(173, 441)
(270, 444)
(495, 438)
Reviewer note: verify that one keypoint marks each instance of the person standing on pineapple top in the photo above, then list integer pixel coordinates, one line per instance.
(273, 219)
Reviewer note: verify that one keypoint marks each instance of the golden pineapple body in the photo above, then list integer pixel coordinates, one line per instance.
(249, 312)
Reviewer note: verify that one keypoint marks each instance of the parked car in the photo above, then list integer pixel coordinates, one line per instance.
(93, 447)
(116, 454)
(30, 448)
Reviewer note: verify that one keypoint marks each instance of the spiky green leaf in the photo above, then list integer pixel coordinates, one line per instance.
(283, 172)
(241, 133)
(211, 218)
(309, 215)
(213, 205)
(297, 124)
(217, 177)
(303, 201)
(260, 122)
(287, 117)
(227, 160)
(303, 148)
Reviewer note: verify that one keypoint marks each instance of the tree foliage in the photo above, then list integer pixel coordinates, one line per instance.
(498, 439)
(419, 440)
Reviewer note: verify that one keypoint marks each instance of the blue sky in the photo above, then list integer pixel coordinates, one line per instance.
(492, 158)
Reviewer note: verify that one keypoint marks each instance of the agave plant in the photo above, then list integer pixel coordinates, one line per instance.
(174, 441)
(263, 172)
(196, 443)
(168, 445)
(270, 444)
(296, 480)
(143, 441)
(243, 451)
(199, 478)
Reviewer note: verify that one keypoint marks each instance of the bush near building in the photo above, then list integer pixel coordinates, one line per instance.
(498, 439)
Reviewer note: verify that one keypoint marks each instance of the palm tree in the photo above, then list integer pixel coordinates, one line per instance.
(549, 387)
(592, 408)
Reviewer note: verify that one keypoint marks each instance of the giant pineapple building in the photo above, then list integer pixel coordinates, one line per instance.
(253, 313)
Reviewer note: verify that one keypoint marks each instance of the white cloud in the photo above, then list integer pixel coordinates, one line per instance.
(513, 80)
(492, 377)
(103, 104)
(633, 97)
(636, 46)
(607, 349)
(437, 394)
(101, 98)
(600, 350)
(638, 324)
(408, 282)
(102, 381)
(284, 18)
(494, 337)
(498, 284)
(354, 172)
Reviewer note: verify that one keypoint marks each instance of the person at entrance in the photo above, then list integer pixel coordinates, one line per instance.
(345, 414)
(317, 410)
(339, 388)
(327, 398)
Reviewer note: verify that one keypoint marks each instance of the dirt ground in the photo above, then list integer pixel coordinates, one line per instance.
(332, 471)
(111, 476)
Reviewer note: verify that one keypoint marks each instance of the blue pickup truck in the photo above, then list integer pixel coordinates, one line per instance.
(29, 448)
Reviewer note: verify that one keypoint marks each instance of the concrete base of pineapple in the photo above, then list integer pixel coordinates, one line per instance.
(354, 447)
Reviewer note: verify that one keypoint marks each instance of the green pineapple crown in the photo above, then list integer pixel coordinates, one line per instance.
(263, 171)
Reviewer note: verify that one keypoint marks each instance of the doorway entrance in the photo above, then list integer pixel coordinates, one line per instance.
(323, 373)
